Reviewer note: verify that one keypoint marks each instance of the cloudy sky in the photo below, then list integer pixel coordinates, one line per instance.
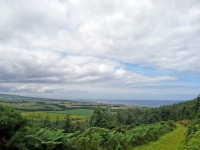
(120, 49)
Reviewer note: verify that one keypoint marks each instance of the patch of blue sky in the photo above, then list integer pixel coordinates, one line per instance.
(190, 79)
(186, 78)
(183, 79)
(63, 54)
(144, 70)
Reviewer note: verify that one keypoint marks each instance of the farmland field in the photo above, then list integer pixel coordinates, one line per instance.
(75, 114)
(78, 112)
(41, 107)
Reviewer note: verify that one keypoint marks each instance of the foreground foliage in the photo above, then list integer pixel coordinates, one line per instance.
(192, 140)
(94, 138)
(11, 121)
(17, 134)
(122, 130)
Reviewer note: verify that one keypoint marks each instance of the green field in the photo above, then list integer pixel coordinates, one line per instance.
(7, 104)
(75, 114)
(170, 141)
(79, 112)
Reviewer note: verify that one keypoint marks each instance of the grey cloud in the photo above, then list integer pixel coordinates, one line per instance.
(138, 92)
(26, 88)
(40, 90)
(6, 89)
(12, 88)
(49, 67)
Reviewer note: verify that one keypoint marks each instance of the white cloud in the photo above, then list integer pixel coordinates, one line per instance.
(87, 42)
(51, 67)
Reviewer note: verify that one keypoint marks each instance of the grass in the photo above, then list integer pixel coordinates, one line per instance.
(6, 104)
(169, 141)
(52, 116)
(32, 106)
(79, 112)
(75, 114)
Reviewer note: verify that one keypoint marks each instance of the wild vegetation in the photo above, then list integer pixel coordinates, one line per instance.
(170, 141)
(121, 129)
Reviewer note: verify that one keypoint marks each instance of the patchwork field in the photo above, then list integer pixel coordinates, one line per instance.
(41, 107)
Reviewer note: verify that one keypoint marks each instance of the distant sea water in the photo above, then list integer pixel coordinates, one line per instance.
(143, 103)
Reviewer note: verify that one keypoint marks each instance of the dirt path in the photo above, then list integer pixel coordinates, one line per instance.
(169, 141)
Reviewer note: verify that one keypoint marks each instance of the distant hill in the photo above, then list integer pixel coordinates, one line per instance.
(18, 97)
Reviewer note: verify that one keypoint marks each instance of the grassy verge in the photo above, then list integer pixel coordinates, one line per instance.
(169, 141)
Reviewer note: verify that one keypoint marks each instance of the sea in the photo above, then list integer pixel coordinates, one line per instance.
(143, 103)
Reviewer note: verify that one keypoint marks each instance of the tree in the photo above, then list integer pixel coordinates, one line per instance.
(67, 123)
(100, 118)
(46, 121)
(129, 117)
(78, 126)
(154, 118)
(11, 121)
(57, 121)
(119, 117)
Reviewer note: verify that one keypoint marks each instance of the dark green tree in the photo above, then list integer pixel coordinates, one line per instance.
(100, 118)
(11, 121)
(119, 117)
(67, 123)
(57, 122)
(46, 121)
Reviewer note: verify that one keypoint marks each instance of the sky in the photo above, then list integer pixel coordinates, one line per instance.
(97, 50)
